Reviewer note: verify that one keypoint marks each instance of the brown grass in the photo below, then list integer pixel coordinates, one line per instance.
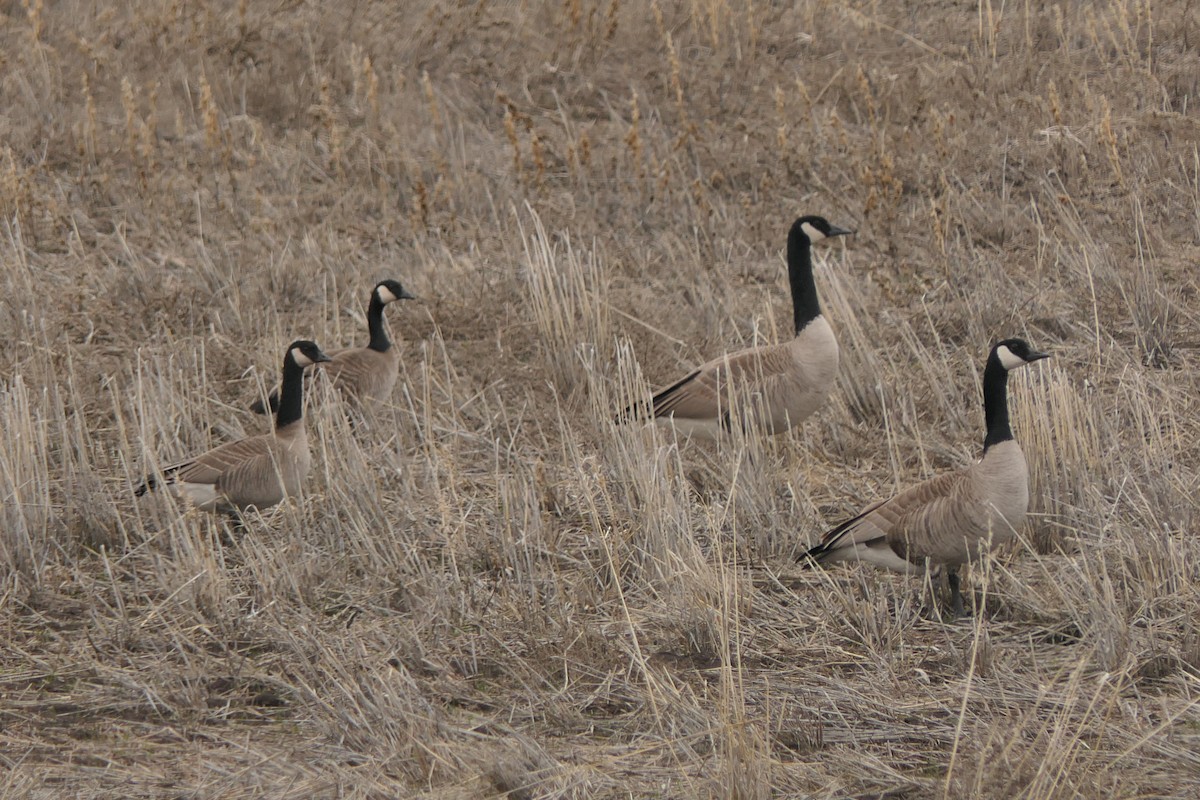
(493, 591)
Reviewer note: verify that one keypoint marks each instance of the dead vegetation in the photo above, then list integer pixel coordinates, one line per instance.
(492, 590)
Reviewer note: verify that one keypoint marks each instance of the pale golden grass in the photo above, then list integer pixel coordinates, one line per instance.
(490, 588)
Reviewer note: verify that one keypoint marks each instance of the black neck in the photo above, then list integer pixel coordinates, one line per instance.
(379, 338)
(995, 403)
(291, 394)
(805, 307)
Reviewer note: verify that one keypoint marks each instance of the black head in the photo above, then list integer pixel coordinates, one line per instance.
(304, 353)
(1014, 353)
(390, 291)
(814, 229)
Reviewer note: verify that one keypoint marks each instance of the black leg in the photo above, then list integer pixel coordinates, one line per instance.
(956, 598)
(237, 523)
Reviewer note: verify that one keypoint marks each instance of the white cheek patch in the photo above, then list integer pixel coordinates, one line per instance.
(812, 233)
(386, 296)
(299, 357)
(1008, 359)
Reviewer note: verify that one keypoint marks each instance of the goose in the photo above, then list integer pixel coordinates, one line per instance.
(362, 373)
(787, 381)
(952, 518)
(257, 471)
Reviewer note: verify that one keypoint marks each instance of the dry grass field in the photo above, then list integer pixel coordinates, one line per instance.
(491, 590)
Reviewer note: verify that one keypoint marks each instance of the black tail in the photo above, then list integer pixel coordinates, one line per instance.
(813, 556)
(634, 413)
(644, 410)
(152, 482)
(816, 555)
(270, 407)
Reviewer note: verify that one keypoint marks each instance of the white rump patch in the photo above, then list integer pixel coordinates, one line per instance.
(299, 357)
(884, 558)
(385, 295)
(202, 495)
(811, 232)
(684, 428)
(1008, 359)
